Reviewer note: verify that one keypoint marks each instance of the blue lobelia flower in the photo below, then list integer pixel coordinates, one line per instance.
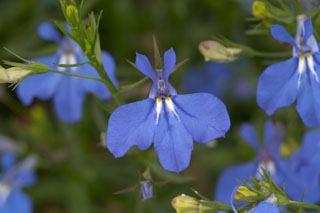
(68, 92)
(304, 164)
(172, 121)
(296, 79)
(13, 178)
(267, 157)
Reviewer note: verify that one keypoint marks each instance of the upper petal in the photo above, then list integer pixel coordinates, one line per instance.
(172, 142)
(110, 67)
(228, 179)
(308, 102)
(47, 31)
(278, 85)
(249, 135)
(309, 38)
(144, 66)
(131, 124)
(281, 34)
(169, 62)
(273, 137)
(204, 116)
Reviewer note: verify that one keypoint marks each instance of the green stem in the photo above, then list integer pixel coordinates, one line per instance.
(306, 205)
(271, 55)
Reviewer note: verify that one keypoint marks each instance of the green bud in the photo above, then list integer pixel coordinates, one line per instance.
(13, 74)
(214, 51)
(187, 204)
(245, 194)
(259, 10)
(72, 15)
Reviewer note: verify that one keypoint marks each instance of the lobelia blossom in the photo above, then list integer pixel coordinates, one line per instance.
(68, 92)
(267, 157)
(170, 120)
(304, 164)
(296, 79)
(13, 178)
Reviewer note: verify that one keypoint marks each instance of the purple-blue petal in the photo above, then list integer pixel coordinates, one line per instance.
(281, 34)
(265, 207)
(228, 179)
(273, 137)
(308, 29)
(68, 99)
(172, 142)
(42, 86)
(249, 135)
(48, 32)
(169, 62)
(131, 125)
(144, 66)
(308, 102)
(278, 86)
(204, 116)
(110, 67)
(8, 160)
(18, 202)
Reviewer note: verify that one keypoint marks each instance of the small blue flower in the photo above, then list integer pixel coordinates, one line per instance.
(305, 167)
(13, 178)
(146, 189)
(296, 79)
(169, 120)
(68, 92)
(267, 157)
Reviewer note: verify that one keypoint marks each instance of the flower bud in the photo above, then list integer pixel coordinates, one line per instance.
(72, 15)
(214, 51)
(259, 10)
(187, 204)
(245, 194)
(13, 74)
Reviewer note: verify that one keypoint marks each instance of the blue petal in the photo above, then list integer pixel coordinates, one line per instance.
(308, 102)
(131, 124)
(228, 179)
(89, 85)
(144, 66)
(68, 99)
(308, 29)
(146, 189)
(281, 34)
(47, 31)
(8, 160)
(273, 137)
(277, 86)
(265, 207)
(17, 202)
(41, 86)
(172, 142)
(169, 62)
(204, 116)
(249, 135)
(234, 191)
(110, 67)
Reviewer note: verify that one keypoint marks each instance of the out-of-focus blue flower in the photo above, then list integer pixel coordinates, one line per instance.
(305, 167)
(68, 92)
(13, 178)
(221, 79)
(296, 79)
(172, 121)
(146, 189)
(267, 157)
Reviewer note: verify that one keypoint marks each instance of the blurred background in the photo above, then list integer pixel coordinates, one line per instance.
(76, 173)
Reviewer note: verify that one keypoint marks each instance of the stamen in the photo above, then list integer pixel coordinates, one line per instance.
(301, 69)
(311, 67)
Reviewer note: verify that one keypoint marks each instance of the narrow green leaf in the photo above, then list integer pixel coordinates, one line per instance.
(71, 65)
(157, 56)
